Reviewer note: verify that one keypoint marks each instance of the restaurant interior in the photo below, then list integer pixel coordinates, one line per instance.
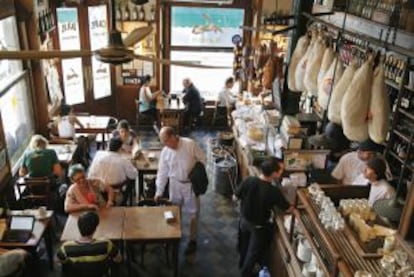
(108, 93)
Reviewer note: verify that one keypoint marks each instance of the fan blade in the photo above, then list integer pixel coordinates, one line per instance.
(137, 35)
(178, 63)
(37, 55)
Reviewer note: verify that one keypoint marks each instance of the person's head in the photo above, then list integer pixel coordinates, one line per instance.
(77, 174)
(187, 83)
(375, 169)
(65, 109)
(146, 80)
(169, 137)
(272, 168)
(368, 149)
(115, 144)
(38, 142)
(87, 223)
(123, 129)
(229, 82)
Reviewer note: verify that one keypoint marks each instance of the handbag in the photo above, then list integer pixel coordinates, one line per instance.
(199, 179)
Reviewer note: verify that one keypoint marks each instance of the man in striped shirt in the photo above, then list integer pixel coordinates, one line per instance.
(88, 256)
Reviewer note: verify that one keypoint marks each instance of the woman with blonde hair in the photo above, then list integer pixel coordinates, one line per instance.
(39, 161)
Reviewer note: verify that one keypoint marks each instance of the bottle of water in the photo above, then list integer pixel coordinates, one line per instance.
(264, 272)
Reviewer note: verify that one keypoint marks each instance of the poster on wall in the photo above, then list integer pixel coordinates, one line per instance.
(69, 39)
(98, 37)
(212, 27)
(9, 40)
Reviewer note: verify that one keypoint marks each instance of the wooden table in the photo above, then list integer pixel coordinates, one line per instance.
(110, 225)
(42, 230)
(64, 151)
(93, 124)
(147, 225)
(173, 109)
(145, 168)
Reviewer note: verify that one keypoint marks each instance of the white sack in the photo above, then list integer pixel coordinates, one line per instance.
(301, 68)
(356, 102)
(379, 108)
(334, 108)
(314, 64)
(327, 59)
(325, 87)
(300, 50)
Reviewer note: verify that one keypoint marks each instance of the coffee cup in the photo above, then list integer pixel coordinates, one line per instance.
(42, 211)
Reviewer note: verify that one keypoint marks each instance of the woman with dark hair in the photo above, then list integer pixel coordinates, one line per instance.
(147, 98)
(258, 198)
(375, 174)
(127, 135)
(66, 122)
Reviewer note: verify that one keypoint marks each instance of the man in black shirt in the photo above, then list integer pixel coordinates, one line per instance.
(193, 102)
(258, 197)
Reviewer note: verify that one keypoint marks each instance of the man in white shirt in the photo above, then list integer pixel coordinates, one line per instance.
(177, 159)
(352, 164)
(226, 97)
(111, 168)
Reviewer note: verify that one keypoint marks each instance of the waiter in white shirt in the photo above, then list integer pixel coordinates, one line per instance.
(177, 159)
(352, 164)
(113, 169)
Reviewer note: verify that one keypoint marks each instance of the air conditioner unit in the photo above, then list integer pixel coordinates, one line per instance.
(219, 2)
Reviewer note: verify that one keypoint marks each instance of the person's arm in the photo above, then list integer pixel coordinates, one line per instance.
(23, 169)
(339, 171)
(239, 191)
(110, 193)
(130, 171)
(77, 122)
(162, 175)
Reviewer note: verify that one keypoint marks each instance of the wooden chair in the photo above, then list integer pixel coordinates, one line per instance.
(151, 203)
(143, 120)
(171, 118)
(102, 139)
(36, 192)
(87, 269)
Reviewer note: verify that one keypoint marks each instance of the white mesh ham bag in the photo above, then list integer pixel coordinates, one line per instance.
(314, 64)
(301, 67)
(356, 102)
(325, 87)
(327, 59)
(300, 50)
(379, 107)
(338, 92)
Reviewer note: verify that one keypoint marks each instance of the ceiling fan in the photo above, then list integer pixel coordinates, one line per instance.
(116, 52)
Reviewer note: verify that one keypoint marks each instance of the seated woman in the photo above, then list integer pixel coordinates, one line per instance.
(128, 136)
(40, 161)
(147, 98)
(374, 174)
(85, 194)
(66, 122)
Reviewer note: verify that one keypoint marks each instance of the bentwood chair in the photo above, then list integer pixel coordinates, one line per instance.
(36, 193)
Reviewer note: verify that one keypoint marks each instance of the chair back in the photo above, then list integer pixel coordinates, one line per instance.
(152, 203)
(37, 192)
(171, 119)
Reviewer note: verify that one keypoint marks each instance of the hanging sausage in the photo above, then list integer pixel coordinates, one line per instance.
(300, 50)
(356, 103)
(325, 87)
(334, 108)
(379, 107)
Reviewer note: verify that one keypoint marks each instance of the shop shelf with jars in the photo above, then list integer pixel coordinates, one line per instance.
(126, 11)
(45, 23)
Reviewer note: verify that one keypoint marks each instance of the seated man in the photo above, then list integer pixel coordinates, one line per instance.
(113, 169)
(193, 103)
(40, 161)
(374, 174)
(13, 262)
(88, 256)
(352, 164)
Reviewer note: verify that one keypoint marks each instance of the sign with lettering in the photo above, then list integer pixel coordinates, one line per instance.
(69, 39)
(98, 37)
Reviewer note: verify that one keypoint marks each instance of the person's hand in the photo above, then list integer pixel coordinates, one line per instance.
(157, 198)
(109, 204)
(92, 207)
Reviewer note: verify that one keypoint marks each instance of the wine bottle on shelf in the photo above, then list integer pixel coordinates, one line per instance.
(39, 24)
(141, 13)
(48, 25)
(43, 22)
(400, 72)
(126, 13)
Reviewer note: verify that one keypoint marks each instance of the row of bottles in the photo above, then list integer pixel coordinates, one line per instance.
(394, 68)
(45, 21)
(367, 8)
(277, 18)
(135, 13)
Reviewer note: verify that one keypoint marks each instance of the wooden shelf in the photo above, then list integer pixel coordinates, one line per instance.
(402, 136)
(407, 114)
(136, 21)
(392, 84)
(395, 156)
(408, 88)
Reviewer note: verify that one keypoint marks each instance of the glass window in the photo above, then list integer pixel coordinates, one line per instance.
(209, 87)
(211, 27)
(17, 116)
(98, 36)
(69, 39)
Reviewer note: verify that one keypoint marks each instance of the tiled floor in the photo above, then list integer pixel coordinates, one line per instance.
(216, 255)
